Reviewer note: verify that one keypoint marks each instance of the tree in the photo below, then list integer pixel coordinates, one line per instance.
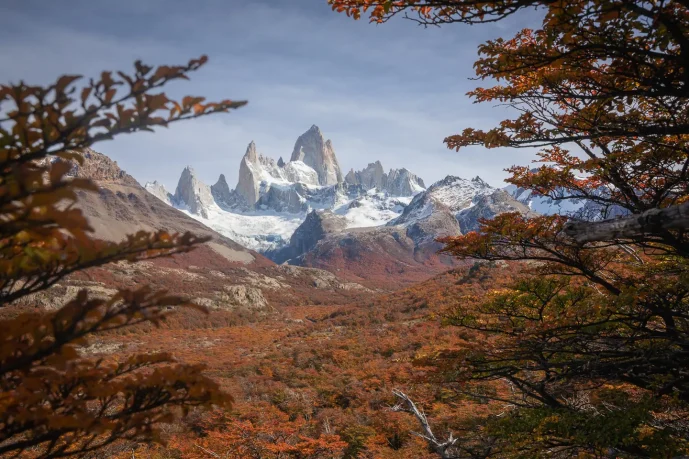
(54, 401)
(588, 349)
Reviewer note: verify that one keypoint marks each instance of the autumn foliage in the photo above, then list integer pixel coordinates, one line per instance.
(586, 351)
(552, 348)
(55, 400)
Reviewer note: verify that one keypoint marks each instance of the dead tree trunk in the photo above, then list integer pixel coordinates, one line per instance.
(652, 222)
(441, 447)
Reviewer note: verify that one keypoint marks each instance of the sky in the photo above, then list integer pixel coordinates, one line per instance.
(389, 92)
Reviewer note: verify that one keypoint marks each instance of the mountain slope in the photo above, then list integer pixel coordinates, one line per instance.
(122, 206)
(404, 250)
(219, 274)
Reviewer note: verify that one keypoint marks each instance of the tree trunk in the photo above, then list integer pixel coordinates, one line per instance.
(651, 222)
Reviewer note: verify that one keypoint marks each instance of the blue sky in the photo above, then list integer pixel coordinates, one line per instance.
(390, 92)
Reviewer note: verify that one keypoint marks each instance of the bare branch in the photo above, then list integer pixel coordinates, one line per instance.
(442, 448)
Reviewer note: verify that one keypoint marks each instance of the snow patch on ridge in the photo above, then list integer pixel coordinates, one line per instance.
(373, 209)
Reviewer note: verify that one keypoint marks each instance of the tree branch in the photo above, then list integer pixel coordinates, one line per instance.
(442, 448)
(651, 222)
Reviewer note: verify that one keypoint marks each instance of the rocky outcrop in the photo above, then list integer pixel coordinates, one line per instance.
(372, 176)
(397, 182)
(437, 225)
(316, 226)
(243, 297)
(221, 192)
(98, 167)
(249, 180)
(401, 182)
(317, 153)
(158, 190)
(193, 193)
(427, 220)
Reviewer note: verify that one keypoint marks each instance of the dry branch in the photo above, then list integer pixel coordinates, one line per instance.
(442, 448)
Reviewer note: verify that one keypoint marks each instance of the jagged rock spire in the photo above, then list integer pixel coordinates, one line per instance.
(251, 153)
(316, 152)
(249, 182)
(194, 193)
(221, 190)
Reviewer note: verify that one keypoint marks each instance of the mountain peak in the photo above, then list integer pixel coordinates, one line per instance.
(402, 182)
(479, 181)
(221, 191)
(195, 194)
(251, 153)
(318, 154)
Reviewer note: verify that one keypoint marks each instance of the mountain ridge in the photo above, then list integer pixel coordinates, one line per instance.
(304, 212)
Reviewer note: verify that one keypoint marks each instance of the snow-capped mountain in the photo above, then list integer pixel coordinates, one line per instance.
(284, 209)
(451, 201)
(449, 207)
(542, 204)
(578, 208)
(453, 192)
(272, 198)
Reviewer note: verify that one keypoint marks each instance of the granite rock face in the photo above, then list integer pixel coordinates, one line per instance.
(316, 152)
(249, 180)
(221, 192)
(372, 176)
(401, 182)
(192, 192)
(397, 182)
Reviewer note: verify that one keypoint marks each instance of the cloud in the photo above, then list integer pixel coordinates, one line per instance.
(389, 92)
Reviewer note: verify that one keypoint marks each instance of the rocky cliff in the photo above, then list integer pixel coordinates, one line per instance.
(249, 176)
(221, 192)
(397, 182)
(193, 193)
(316, 152)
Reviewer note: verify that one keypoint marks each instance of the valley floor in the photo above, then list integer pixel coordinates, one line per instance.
(316, 381)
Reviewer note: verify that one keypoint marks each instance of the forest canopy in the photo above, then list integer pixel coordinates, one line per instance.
(587, 349)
